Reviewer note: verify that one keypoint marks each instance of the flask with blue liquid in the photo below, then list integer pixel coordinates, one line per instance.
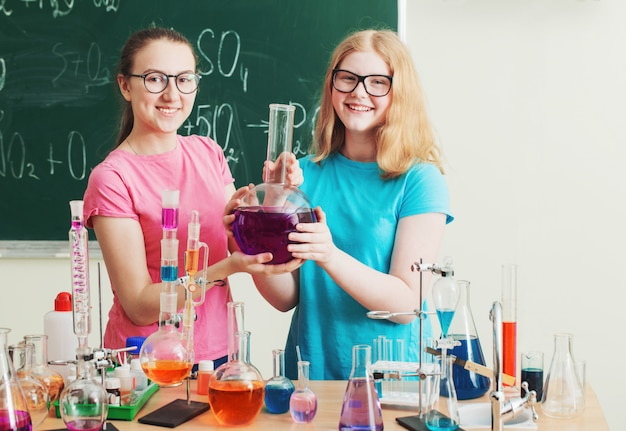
(462, 329)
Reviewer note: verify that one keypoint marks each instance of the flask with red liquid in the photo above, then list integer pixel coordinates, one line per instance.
(236, 388)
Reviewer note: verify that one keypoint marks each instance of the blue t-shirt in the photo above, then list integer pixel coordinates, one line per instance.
(363, 213)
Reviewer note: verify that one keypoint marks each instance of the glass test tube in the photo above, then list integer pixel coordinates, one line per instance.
(509, 319)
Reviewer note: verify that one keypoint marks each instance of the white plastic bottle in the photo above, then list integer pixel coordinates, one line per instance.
(127, 384)
(58, 325)
(141, 380)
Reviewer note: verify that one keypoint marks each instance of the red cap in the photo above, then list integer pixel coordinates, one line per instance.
(63, 302)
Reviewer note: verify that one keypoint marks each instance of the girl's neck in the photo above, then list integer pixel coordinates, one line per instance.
(359, 148)
(145, 145)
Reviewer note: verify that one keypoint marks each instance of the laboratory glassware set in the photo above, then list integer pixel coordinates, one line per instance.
(167, 355)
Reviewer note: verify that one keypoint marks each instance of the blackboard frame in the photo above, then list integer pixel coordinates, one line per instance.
(320, 14)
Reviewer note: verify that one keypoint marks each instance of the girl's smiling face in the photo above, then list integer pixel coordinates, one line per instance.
(360, 113)
(162, 112)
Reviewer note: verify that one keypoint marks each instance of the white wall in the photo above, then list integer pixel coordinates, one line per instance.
(527, 98)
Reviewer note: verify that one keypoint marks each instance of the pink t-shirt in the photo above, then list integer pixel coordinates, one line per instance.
(130, 185)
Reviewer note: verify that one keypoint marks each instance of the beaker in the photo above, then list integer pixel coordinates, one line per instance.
(442, 412)
(236, 388)
(468, 384)
(361, 407)
(303, 401)
(563, 395)
(532, 372)
(14, 415)
(279, 388)
(36, 393)
(40, 368)
(271, 210)
(84, 403)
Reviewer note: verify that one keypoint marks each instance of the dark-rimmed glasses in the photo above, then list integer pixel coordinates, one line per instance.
(156, 82)
(375, 85)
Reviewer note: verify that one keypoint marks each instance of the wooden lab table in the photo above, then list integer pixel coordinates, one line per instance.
(330, 397)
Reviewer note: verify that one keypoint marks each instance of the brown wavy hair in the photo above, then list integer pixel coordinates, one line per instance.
(406, 136)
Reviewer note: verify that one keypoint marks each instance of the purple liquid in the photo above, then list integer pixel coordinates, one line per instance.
(361, 407)
(18, 420)
(468, 385)
(262, 229)
(303, 406)
(169, 218)
(84, 425)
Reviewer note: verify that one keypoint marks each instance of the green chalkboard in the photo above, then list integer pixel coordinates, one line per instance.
(59, 103)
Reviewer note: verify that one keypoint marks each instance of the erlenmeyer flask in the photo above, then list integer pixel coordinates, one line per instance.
(14, 415)
(84, 402)
(361, 407)
(271, 210)
(40, 369)
(36, 393)
(462, 329)
(279, 388)
(236, 388)
(563, 395)
(436, 419)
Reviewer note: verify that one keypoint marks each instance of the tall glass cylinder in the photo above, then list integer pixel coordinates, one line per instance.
(509, 319)
(81, 300)
(14, 415)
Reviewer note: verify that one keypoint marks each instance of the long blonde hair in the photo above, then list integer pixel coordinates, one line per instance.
(406, 136)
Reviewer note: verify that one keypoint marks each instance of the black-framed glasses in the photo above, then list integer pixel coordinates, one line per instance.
(156, 82)
(375, 85)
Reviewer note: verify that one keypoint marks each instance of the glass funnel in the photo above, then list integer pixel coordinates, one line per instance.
(14, 415)
(271, 210)
(462, 330)
(35, 391)
(446, 293)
